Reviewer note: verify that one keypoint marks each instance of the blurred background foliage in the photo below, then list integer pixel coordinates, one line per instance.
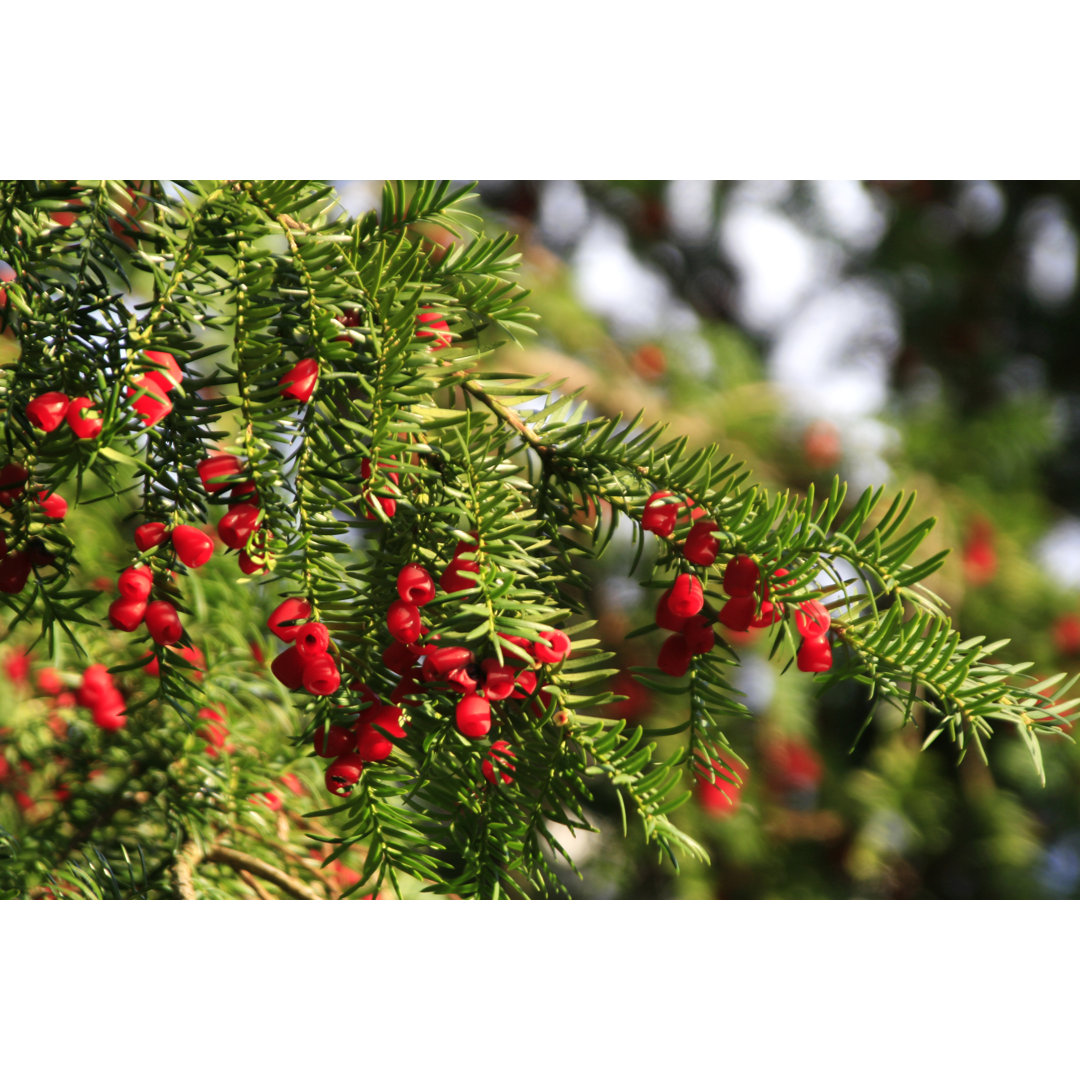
(917, 334)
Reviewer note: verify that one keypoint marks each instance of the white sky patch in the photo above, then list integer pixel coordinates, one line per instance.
(690, 209)
(359, 196)
(833, 357)
(850, 212)
(1058, 552)
(564, 212)
(635, 299)
(1051, 260)
(779, 265)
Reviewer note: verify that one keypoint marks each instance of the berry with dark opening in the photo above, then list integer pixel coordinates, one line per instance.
(321, 675)
(312, 639)
(415, 585)
(343, 773)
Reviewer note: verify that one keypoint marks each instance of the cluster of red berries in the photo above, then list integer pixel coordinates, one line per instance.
(98, 693)
(307, 661)
(680, 608)
(15, 566)
(150, 391)
(49, 410)
(224, 472)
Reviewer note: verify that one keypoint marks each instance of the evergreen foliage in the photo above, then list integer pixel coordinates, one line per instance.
(410, 448)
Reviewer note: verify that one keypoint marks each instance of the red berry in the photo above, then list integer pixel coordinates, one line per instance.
(288, 668)
(699, 635)
(415, 585)
(167, 369)
(343, 773)
(83, 418)
(321, 675)
(741, 576)
(439, 329)
(738, 613)
(499, 680)
(163, 622)
(525, 684)
(666, 619)
(135, 582)
(52, 505)
(815, 654)
(127, 614)
(687, 597)
(151, 535)
(398, 657)
(770, 613)
(473, 716)
(674, 658)
(110, 715)
(293, 610)
(453, 579)
(812, 618)
(499, 766)
(14, 572)
(299, 381)
(151, 401)
(375, 728)
(332, 741)
(237, 525)
(48, 681)
(47, 410)
(552, 648)
(12, 483)
(701, 546)
(403, 621)
(192, 545)
(219, 471)
(312, 639)
(660, 513)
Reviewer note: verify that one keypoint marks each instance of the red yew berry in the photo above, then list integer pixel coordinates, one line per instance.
(52, 505)
(332, 741)
(312, 639)
(738, 613)
(453, 577)
(473, 716)
(449, 657)
(83, 418)
(219, 471)
(721, 794)
(415, 585)
(321, 675)
(770, 613)
(525, 684)
(192, 546)
(151, 401)
(815, 654)
(110, 715)
(687, 597)
(168, 371)
(127, 614)
(292, 610)
(48, 681)
(398, 657)
(499, 765)
(373, 733)
(812, 618)
(237, 525)
(741, 576)
(389, 505)
(699, 635)
(292, 782)
(660, 513)
(299, 381)
(163, 622)
(14, 572)
(343, 773)
(674, 657)
(666, 619)
(96, 680)
(151, 535)
(12, 483)
(552, 648)
(403, 621)
(439, 329)
(288, 668)
(499, 680)
(1066, 633)
(701, 546)
(135, 582)
(47, 410)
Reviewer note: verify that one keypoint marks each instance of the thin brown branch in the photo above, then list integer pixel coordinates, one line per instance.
(238, 860)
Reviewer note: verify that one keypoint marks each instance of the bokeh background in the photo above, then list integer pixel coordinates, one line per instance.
(916, 334)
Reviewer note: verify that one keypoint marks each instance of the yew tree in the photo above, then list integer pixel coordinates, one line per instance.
(297, 585)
